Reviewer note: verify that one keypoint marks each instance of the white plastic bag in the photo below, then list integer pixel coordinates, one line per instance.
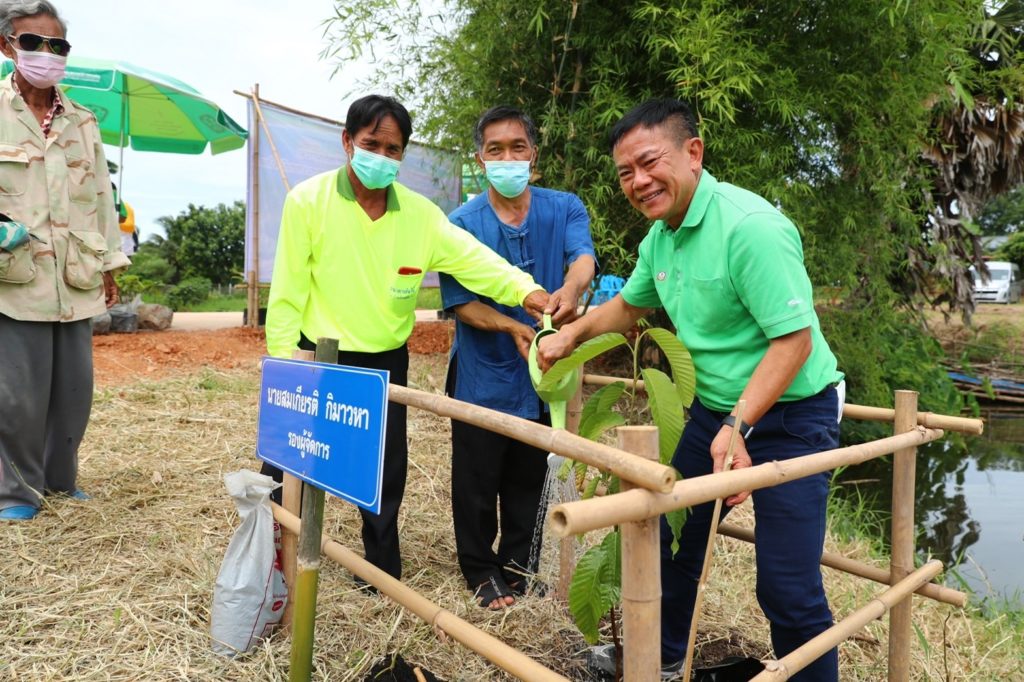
(250, 593)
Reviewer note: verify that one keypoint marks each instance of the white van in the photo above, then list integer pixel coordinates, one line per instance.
(1003, 284)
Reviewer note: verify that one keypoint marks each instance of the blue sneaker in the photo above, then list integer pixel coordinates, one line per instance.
(82, 496)
(19, 512)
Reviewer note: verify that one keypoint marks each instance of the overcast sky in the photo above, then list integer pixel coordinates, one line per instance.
(216, 46)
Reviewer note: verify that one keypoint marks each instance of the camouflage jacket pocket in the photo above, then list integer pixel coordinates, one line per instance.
(13, 170)
(81, 179)
(17, 266)
(83, 268)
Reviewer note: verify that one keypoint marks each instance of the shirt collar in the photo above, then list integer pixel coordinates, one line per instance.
(57, 106)
(347, 192)
(706, 186)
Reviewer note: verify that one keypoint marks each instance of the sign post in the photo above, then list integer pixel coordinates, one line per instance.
(323, 424)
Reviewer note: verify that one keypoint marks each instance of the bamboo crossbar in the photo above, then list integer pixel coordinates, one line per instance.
(585, 515)
(497, 652)
(850, 410)
(795, 661)
(940, 593)
(929, 420)
(644, 473)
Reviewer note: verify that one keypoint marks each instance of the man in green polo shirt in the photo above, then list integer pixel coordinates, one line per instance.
(351, 254)
(728, 269)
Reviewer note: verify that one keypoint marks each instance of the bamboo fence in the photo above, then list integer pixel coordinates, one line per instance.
(647, 492)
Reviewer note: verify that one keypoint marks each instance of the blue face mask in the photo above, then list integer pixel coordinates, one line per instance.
(373, 170)
(509, 178)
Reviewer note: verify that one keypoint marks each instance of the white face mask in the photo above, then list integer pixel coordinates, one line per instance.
(41, 69)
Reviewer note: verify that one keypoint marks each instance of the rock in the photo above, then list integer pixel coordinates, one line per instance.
(101, 323)
(154, 316)
(123, 322)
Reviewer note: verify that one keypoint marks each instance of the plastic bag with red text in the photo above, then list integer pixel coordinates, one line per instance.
(249, 595)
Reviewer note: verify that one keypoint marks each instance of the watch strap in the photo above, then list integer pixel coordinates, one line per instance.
(743, 427)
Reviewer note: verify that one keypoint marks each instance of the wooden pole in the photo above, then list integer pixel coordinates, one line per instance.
(567, 544)
(254, 276)
(641, 574)
(307, 574)
(650, 475)
(633, 505)
(797, 660)
(863, 412)
(903, 470)
(512, 661)
(709, 549)
(291, 496)
(939, 593)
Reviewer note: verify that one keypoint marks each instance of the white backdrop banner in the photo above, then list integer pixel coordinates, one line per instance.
(308, 145)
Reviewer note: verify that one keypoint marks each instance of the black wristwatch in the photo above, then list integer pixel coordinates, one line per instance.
(743, 427)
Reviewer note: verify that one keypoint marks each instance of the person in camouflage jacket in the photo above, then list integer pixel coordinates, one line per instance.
(60, 250)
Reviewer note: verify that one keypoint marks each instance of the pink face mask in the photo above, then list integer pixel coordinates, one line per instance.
(41, 69)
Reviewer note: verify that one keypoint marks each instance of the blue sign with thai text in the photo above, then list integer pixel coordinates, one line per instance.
(325, 424)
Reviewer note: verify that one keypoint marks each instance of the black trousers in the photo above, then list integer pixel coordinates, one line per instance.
(488, 468)
(380, 531)
(45, 401)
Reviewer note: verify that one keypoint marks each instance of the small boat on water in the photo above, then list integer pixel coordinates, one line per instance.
(989, 388)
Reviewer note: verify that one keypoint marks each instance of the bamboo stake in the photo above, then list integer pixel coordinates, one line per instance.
(939, 593)
(502, 655)
(291, 496)
(308, 570)
(850, 410)
(709, 549)
(641, 574)
(254, 276)
(903, 470)
(650, 475)
(601, 512)
(795, 661)
(567, 545)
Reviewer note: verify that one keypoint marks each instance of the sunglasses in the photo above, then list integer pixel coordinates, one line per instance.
(30, 42)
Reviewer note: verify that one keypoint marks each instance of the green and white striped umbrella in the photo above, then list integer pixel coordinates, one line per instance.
(150, 111)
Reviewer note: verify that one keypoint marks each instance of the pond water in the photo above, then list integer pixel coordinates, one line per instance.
(970, 505)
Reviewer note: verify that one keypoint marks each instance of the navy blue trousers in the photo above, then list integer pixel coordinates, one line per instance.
(789, 533)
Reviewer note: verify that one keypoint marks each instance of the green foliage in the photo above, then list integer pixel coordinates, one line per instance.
(881, 350)
(149, 263)
(588, 350)
(666, 411)
(188, 293)
(1013, 249)
(824, 108)
(131, 285)
(205, 242)
(1004, 214)
(997, 341)
(593, 594)
(595, 586)
(597, 415)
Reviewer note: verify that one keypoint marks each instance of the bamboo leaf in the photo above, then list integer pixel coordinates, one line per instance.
(684, 375)
(666, 410)
(588, 350)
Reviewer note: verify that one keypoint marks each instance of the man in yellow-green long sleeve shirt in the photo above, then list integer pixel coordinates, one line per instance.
(351, 254)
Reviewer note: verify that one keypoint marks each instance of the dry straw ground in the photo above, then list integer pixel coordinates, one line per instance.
(119, 588)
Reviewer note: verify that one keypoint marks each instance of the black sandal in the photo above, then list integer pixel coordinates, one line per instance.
(487, 592)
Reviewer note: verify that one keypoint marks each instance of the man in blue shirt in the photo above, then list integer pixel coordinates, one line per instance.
(547, 234)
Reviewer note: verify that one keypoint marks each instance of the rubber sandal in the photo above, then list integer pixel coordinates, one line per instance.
(81, 495)
(494, 588)
(19, 512)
